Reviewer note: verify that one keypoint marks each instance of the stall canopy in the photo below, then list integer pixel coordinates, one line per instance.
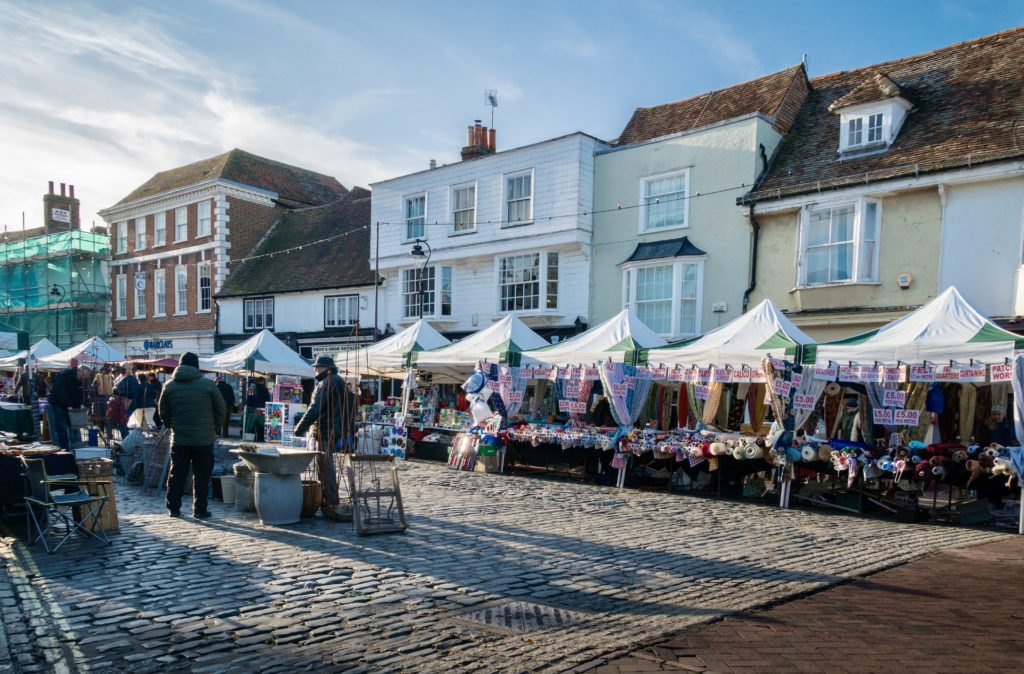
(41, 349)
(620, 338)
(93, 351)
(503, 342)
(263, 353)
(744, 342)
(12, 339)
(389, 357)
(946, 329)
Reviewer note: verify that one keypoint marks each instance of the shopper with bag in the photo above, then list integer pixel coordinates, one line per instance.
(324, 416)
(192, 407)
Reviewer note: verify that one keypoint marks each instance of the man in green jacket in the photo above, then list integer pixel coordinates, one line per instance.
(192, 407)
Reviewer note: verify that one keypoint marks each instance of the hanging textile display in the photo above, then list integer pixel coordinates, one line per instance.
(507, 385)
(572, 392)
(626, 392)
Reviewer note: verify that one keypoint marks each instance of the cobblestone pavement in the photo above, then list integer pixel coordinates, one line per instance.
(953, 611)
(231, 595)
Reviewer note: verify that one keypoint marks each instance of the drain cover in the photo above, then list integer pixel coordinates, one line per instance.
(519, 616)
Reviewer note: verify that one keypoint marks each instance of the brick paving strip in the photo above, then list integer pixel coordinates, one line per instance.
(953, 611)
(628, 568)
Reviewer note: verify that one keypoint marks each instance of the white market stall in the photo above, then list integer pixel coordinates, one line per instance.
(504, 342)
(390, 357)
(93, 351)
(41, 349)
(619, 338)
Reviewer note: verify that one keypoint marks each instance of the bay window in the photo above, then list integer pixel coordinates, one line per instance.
(427, 292)
(528, 282)
(666, 295)
(259, 313)
(839, 243)
(341, 311)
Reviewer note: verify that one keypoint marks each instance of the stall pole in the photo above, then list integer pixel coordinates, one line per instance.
(32, 400)
(406, 392)
(1020, 525)
(245, 401)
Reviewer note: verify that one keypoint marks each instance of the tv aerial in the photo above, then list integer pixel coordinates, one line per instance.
(491, 99)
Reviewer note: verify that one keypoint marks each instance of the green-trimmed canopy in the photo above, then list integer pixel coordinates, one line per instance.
(12, 339)
(746, 341)
(947, 328)
(388, 357)
(503, 342)
(264, 353)
(620, 338)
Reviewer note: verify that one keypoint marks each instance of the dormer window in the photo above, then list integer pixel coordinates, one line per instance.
(855, 134)
(870, 115)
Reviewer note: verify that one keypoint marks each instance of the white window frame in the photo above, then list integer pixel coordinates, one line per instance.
(340, 303)
(207, 230)
(677, 264)
(140, 307)
(256, 307)
(180, 290)
(405, 221)
(122, 237)
(864, 119)
(543, 289)
(140, 233)
(860, 209)
(642, 200)
(181, 224)
(451, 199)
(203, 269)
(438, 312)
(159, 292)
(159, 229)
(121, 297)
(505, 194)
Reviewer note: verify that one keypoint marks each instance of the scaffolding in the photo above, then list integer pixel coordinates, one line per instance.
(56, 285)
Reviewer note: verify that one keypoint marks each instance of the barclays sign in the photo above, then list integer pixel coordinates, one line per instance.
(157, 344)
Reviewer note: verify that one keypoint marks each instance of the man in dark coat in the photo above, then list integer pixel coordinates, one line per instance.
(255, 402)
(324, 416)
(66, 394)
(228, 394)
(192, 407)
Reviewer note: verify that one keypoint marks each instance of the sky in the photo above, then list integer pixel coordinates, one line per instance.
(103, 95)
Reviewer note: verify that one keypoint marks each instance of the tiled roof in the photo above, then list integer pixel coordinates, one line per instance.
(875, 87)
(295, 186)
(968, 109)
(654, 250)
(765, 95)
(338, 263)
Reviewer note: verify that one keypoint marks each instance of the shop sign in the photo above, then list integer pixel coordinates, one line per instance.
(157, 344)
(848, 373)
(781, 388)
(973, 374)
(701, 391)
(741, 375)
(758, 376)
(883, 416)
(803, 401)
(1001, 373)
(870, 373)
(796, 378)
(923, 373)
(721, 376)
(906, 417)
(777, 363)
(643, 373)
(591, 373)
(60, 214)
(947, 373)
(894, 375)
(828, 373)
(894, 399)
(693, 375)
(676, 374)
(704, 374)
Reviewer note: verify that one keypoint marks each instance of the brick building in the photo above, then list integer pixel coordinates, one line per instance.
(175, 238)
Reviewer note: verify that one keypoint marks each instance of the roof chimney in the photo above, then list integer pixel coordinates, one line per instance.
(490, 144)
(60, 211)
(63, 190)
(433, 163)
(479, 141)
(51, 187)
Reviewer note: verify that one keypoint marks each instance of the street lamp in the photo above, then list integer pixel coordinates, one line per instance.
(417, 254)
(57, 290)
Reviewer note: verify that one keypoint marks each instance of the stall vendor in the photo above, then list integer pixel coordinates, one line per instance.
(259, 396)
(997, 428)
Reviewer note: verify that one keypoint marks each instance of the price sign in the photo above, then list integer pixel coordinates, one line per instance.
(515, 397)
(923, 373)
(828, 373)
(643, 373)
(847, 373)
(777, 363)
(619, 390)
(906, 417)
(883, 416)
(947, 373)
(659, 372)
(758, 376)
(973, 374)
(704, 374)
(781, 388)
(894, 375)
(803, 402)
(796, 378)
(741, 375)
(701, 391)
(721, 376)
(676, 374)
(1001, 373)
(894, 399)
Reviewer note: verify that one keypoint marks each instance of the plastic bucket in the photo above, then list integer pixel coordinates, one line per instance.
(94, 437)
(227, 488)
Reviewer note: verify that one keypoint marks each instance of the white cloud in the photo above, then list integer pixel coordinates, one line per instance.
(722, 43)
(103, 101)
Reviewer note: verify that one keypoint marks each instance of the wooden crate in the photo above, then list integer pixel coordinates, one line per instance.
(97, 476)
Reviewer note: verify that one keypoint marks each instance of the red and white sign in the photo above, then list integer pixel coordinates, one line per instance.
(973, 374)
(906, 417)
(721, 376)
(827, 373)
(781, 388)
(894, 399)
(700, 391)
(803, 402)
(947, 373)
(1001, 373)
(659, 373)
(644, 373)
(849, 373)
(894, 375)
(704, 374)
(757, 376)
(676, 374)
(591, 373)
(883, 416)
(796, 378)
(741, 375)
(870, 373)
(922, 373)
(777, 363)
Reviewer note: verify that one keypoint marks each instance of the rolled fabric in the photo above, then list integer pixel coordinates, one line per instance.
(1001, 466)
(991, 451)
(824, 453)
(752, 451)
(833, 389)
(808, 453)
(939, 471)
(696, 452)
(937, 460)
(922, 470)
(705, 450)
(738, 453)
(793, 454)
(718, 448)
(960, 455)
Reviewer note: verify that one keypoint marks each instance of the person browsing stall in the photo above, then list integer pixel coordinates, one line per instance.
(325, 417)
(192, 407)
(255, 402)
(228, 394)
(66, 394)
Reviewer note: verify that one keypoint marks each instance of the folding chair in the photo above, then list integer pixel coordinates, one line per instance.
(56, 509)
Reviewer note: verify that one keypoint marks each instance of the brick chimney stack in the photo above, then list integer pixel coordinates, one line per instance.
(479, 141)
(60, 211)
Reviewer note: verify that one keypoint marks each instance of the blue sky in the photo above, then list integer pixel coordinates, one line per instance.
(104, 94)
